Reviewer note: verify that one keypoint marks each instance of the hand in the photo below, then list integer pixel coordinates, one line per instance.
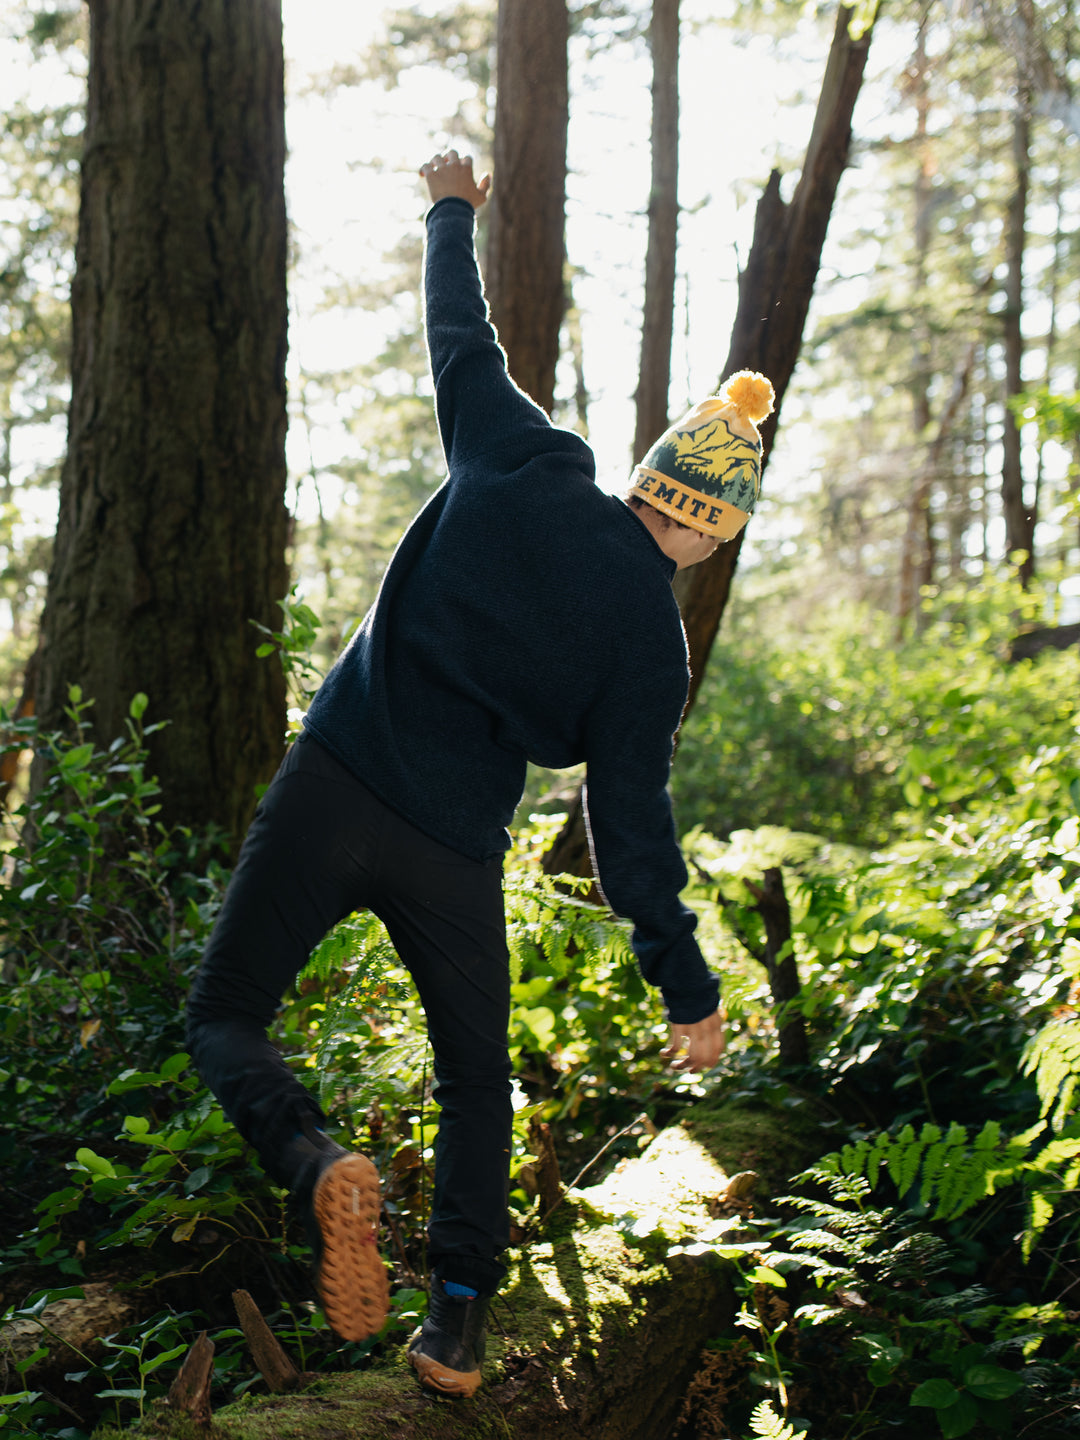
(450, 174)
(704, 1041)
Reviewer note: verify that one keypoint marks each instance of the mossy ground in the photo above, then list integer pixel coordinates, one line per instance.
(593, 1298)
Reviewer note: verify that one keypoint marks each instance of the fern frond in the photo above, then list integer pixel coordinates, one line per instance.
(1051, 1158)
(767, 1425)
(962, 1302)
(1040, 1213)
(918, 1254)
(1053, 1056)
(878, 1155)
(901, 1147)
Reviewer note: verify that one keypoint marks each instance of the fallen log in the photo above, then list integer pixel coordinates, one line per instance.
(598, 1332)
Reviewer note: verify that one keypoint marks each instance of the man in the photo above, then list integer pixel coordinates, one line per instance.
(525, 615)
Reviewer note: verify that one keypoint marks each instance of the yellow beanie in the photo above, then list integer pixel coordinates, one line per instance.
(705, 471)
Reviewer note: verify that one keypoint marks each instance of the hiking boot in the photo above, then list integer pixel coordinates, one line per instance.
(448, 1349)
(339, 1192)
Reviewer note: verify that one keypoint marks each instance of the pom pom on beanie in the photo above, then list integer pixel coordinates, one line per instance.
(705, 471)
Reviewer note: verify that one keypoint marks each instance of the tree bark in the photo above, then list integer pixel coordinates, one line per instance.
(523, 273)
(1019, 517)
(774, 296)
(658, 321)
(917, 553)
(918, 563)
(172, 526)
(775, 291)
(771, 903)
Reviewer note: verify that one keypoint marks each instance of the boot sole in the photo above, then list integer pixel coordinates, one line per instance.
(351, 1281)
(457, 1384)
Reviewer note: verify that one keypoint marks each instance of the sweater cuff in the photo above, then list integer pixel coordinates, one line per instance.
(446, 200)
(687, 1007)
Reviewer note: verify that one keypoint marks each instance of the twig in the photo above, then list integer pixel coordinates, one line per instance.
(638, 1120)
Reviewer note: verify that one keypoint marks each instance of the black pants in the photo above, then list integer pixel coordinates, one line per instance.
(322, 846)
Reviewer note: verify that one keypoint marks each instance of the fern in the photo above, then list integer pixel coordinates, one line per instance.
(544, 921)
(1053, 1056)
(767, 1425)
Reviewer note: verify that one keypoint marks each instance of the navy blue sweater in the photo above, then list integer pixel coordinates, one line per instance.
(525, 615)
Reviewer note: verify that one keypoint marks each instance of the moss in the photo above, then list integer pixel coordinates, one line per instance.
(776, 1143)
(593, 1300)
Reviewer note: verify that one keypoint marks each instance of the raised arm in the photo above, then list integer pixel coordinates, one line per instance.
(479, 408)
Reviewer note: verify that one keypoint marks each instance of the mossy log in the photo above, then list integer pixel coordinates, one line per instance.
(597, 1333)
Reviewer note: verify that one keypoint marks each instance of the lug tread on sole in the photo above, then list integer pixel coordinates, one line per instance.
(352, 1280)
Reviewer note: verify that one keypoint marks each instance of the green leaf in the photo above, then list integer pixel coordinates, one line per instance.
(197, 1179)
(77, 758)
(137, 708)
(23, 1365)
(958, 1419)
(990, 1382)
(766, 1275)
(149, 1366)
(938, 1394)
(97, 1164)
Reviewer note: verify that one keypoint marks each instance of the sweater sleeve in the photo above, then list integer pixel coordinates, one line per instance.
(632, 838)
(477, 404)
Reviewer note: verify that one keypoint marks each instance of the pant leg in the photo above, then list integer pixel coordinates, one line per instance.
(444, 914)
(306, 862)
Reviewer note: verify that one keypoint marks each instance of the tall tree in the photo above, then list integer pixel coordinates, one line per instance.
(172, 526)
(658, 319)
(774, 296)
(526, 246)
(1019, 516)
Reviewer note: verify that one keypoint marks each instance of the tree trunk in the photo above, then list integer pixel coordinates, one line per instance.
(784, 985)
(172, 526)
(1019, 517)
(774, 297)
(523, 273)
(658, 321)
(775, 291)
(919, 540)
(917, 552)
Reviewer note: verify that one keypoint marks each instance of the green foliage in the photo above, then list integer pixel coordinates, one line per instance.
(879, 1288)
(938, 977)
(104, 918)
(294, 645)
(846, 734)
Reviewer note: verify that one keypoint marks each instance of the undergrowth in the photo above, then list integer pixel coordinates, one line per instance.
(922, 1273)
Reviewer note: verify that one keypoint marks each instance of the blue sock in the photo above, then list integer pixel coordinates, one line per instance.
(451, 1287)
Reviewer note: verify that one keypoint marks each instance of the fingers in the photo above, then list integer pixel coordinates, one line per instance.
(442, 160)
(446, 160)
(449, 173)
(703, 1042)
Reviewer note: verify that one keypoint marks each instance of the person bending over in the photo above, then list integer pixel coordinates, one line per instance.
(525, 615)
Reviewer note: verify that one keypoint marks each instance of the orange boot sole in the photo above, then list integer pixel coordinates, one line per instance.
(351, 1278)
(457, 1384)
